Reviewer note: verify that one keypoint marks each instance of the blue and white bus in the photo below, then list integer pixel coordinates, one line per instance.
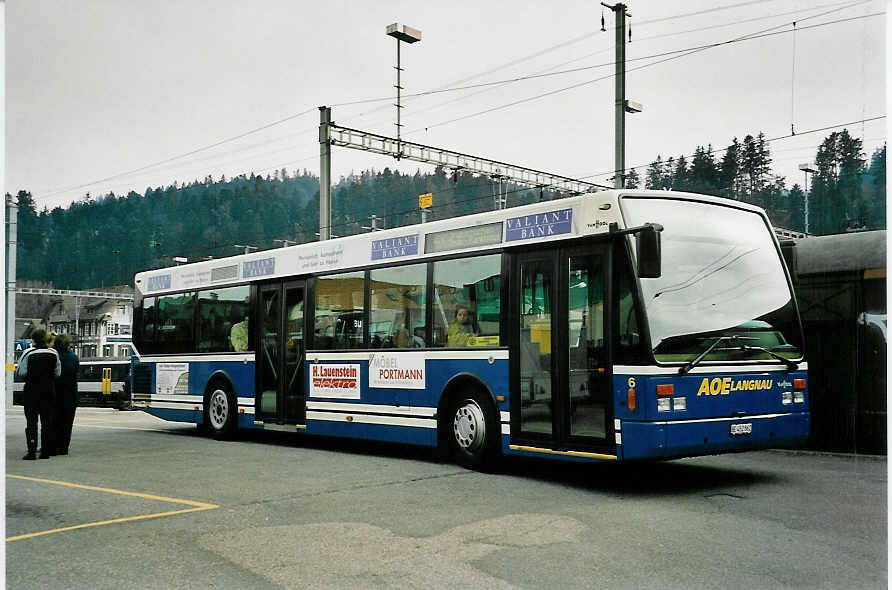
(609, 326)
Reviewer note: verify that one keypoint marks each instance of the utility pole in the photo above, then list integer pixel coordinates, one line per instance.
(499, 198)
(324, 173)
(77, 327)
(12, 214)
(622, 105)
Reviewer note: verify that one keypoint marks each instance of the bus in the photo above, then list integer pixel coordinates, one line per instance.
(616, 325)
(100, 383)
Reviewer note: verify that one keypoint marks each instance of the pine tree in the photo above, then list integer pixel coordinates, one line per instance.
(729, 171)
(680, 174)
(755, 165)
(874, 190)
(835, 191)
(633, 180)
(654, 177)
(704, 174)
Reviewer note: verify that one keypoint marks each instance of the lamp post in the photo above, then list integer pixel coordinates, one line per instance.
(405, 34)
(807, 168)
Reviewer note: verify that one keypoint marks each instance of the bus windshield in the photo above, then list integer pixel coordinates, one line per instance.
(722, 277)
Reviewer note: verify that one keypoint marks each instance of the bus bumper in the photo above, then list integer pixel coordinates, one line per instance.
(685, 438)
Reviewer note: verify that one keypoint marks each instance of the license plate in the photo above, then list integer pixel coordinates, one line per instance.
(737, 429)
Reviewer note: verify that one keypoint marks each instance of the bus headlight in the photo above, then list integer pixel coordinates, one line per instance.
(664, 404)
(679, 404)
(799, 397)
(787, 397)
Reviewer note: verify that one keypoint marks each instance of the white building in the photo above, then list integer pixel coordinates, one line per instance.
(100, 328)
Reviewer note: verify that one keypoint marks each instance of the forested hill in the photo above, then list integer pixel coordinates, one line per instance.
(103, 241)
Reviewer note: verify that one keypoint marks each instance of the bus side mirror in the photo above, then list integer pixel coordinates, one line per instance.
(649, 255)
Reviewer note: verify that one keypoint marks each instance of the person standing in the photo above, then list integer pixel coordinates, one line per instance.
(39, 367)
(67, 396)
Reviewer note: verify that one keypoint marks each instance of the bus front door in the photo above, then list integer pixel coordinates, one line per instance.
(280, 353)
(562, 398)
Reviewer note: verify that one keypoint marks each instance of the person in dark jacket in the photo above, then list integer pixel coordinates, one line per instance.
(39, 367)
(67, 396)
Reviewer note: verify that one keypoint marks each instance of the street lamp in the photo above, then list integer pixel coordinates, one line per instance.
(405, 34)
(807, 168)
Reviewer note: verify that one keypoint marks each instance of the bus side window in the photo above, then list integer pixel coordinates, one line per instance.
(340, 307)
(467, 301)
(398, 300)
(223, 320)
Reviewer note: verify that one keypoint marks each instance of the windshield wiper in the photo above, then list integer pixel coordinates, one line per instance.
(791, 365)
(684, 369)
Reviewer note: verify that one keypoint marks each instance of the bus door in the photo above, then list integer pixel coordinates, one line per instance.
(562, 398)
(280, 354)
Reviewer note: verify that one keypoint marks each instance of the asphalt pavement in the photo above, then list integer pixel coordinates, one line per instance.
(142, 503)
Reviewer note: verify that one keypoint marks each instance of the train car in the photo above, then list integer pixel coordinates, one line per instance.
(100, 383)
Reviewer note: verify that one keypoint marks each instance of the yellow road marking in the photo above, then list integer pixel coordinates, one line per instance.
(196, 506)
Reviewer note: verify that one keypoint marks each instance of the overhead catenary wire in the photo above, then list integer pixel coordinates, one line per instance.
(687, 51)
(183, 155)
(749, 37)
(522, 189)
(490, 88)
(672, 55)
(561, 45)
(676, 54)
(769, 140)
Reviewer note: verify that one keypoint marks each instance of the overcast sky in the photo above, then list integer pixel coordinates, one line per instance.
(97, 88)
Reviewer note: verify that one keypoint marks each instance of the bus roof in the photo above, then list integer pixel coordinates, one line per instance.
(853, 252)
(583, 215)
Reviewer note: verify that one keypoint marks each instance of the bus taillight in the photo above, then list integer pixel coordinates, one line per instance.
(632, 402)
(665, 389)
(798, 383)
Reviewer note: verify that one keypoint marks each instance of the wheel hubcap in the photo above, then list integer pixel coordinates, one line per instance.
(219, 410)
(469, 426)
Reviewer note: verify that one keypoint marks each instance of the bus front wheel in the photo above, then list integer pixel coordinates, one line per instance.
(474, 432)
(220, 412)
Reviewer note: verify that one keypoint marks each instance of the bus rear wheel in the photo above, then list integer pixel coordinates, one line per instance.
(220, 412)
(474, 432)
